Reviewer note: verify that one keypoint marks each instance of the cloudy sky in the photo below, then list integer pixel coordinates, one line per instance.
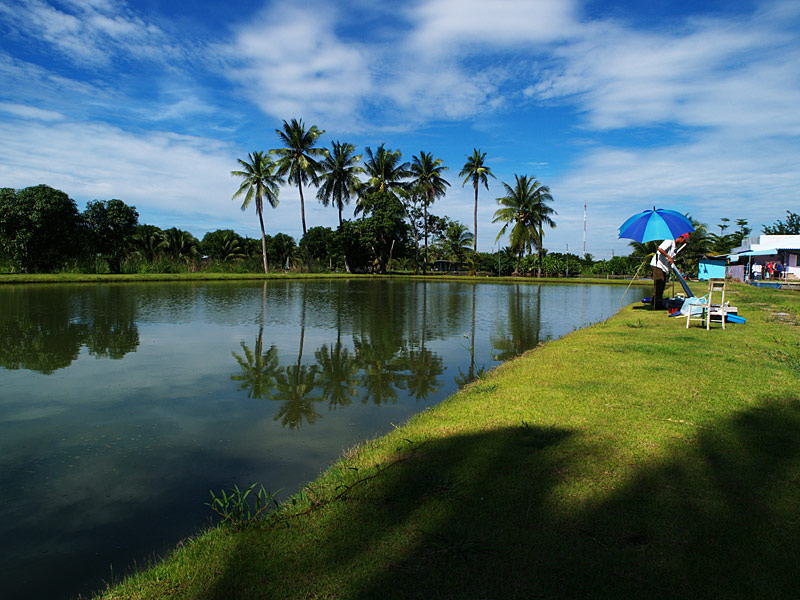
(686, 104)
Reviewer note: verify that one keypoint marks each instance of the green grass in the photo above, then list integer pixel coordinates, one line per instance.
(24, 278)
(633, 458)
(156, 277)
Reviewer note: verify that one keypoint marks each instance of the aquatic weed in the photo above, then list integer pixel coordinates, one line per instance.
(238, 508)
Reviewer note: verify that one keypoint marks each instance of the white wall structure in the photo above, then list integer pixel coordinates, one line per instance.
(765, 248)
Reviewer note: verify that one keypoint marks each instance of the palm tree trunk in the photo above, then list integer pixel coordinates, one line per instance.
(416, 243)
(541, 256)
(475, 239)
(303, 216)
(263, 237)
(344, 254)
(425, 230)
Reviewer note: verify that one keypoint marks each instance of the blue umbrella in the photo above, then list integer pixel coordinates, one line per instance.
(656, 224)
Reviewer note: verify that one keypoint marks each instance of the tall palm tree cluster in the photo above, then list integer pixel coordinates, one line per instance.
(390, 187)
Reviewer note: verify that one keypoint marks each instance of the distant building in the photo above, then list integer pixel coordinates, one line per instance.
(763, 249)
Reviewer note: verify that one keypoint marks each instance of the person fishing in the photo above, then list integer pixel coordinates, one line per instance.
(663, 259)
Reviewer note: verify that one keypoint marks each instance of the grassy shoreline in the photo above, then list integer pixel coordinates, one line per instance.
(633, 457)
(51, 278)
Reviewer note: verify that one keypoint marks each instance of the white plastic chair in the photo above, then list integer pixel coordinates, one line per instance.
(702, 309)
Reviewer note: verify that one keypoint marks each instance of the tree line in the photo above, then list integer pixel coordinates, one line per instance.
(393, 197)
(393, 226)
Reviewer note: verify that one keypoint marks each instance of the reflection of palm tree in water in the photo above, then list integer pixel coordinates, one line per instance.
(472, 374)
(380, 371)
(424, 369)
(294, 385)
(523, 325)
(258, 368)
(338, 374)
(423, 365)
(338, 371)
(378, 344)
(263, 377)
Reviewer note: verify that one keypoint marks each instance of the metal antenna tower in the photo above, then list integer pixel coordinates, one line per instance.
(584, 227)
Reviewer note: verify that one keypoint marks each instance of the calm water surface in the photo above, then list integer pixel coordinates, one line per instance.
(122, 405)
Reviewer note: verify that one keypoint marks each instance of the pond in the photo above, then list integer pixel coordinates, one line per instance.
(122, 405)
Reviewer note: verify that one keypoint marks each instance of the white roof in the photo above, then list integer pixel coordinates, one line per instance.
(769, 242)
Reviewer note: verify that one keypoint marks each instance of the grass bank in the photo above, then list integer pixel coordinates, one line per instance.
(631, 458)
(49, 278)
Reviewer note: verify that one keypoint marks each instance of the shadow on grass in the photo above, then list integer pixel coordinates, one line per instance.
(495, 516)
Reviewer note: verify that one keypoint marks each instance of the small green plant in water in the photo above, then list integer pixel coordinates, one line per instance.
(240, 509)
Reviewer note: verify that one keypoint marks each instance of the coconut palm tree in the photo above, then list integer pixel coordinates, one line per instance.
(427, 173)
(541, 215)
(386, 177)
(476, 170)
(297, 160)
(517, 213)
(340, 182)
(148, 242)
(457, 238)
(179, 245)
(259, 180)
(231, 248)
(339, 171)
(413, 213)
(379, 200)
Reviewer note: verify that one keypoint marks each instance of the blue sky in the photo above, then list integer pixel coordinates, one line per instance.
(686, 105)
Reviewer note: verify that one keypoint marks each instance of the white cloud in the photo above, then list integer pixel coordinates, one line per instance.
(31, 83)
(292, 65)
(716, 98)
(739, 76)
(159, 172)
(92, 33)
(708, 179)
(29, 112)
(456, 25)
(173, 180)
(294, 61)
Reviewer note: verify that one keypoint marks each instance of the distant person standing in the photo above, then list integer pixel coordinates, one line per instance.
(663, 259)
(757, 271)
